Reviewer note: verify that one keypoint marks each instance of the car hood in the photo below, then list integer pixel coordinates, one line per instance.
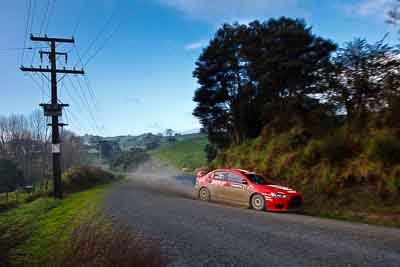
(276, 189)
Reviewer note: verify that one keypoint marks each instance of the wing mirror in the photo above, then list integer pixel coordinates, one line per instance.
(244, 181)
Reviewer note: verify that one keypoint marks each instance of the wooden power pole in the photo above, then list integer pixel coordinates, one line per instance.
(54, 109)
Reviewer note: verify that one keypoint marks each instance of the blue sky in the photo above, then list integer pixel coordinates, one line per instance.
(142, 79)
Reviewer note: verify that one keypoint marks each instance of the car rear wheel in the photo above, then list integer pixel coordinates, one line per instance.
(258, 202)
(204, 194)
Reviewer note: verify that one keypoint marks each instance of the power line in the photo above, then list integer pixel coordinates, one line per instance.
(32, 24)
(28, 18)
(78, 20)
(43, 82)
(94, 99)
(79, 106)
(85, 102)
(44, 92)
(79, 56)
(43, 78)
(36, 83)
(101, 47)
(33, 15)
(101, 32)
(17, 50)
(51, 12)
(76, 118)
(90, 91)
(45, 16)
(20, 48)
(86, 79)
(87, 82)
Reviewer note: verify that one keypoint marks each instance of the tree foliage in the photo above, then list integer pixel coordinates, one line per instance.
(129, 160)
(366, 79)
(25, 140)
(276, 75)
(11, 177)
(249, 73)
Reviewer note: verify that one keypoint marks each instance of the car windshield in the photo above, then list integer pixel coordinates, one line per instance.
(256, 179)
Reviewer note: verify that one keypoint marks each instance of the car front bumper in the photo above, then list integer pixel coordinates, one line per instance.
(290, 203)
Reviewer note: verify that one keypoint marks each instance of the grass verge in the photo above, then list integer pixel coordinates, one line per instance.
(71, 232)
(34, 233)
(12, 199)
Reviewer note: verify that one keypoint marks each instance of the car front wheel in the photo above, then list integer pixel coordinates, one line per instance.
(258, 202)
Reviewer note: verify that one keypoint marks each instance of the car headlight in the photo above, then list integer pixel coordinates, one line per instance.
(278, 195)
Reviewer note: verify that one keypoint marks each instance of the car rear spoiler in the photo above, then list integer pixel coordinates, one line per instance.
(201, 173)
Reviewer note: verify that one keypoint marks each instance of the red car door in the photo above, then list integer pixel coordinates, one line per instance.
(216, 184)
(236, 191)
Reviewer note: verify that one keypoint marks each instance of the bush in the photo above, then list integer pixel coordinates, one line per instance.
(327, 182)
(11, 177)
(81, 178)
(334, 148)
(384, 147)
(312, 153)
(393, 182)
(364, 170)
(299, 137)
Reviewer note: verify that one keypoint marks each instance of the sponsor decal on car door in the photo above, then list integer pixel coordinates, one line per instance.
(216, 184)
(236, 191)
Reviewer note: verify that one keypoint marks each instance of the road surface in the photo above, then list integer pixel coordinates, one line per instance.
(194, 233)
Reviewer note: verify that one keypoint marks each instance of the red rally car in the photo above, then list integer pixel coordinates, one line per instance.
(246, 188)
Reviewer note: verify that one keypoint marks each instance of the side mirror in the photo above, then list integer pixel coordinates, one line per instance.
(244, 181)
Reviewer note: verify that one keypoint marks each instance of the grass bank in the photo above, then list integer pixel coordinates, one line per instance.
(340, 176)
(186, 154)
(73, 231)
(13, 199)
(34, 233)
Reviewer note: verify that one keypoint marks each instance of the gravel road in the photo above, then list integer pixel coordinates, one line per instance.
(194, 233)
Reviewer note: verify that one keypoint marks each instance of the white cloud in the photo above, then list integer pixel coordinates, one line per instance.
(217, 11)
(370, 7)
(196, 45)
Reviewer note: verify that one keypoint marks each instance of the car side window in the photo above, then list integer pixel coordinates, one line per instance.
(220, 175)
(235, 178)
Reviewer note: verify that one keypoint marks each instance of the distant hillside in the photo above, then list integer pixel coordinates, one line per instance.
(146, 141)
(187, 153)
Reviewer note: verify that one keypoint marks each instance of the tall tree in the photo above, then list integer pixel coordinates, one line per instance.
(169, 132)
(288, 65)
(249, 72)
(223, 80)
(366, 77)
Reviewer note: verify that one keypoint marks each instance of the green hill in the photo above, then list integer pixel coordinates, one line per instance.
(184, 154)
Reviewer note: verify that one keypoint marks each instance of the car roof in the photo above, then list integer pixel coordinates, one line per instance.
(236, 170)
(244, 171)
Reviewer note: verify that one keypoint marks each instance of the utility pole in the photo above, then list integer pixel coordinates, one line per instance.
(54, 109)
